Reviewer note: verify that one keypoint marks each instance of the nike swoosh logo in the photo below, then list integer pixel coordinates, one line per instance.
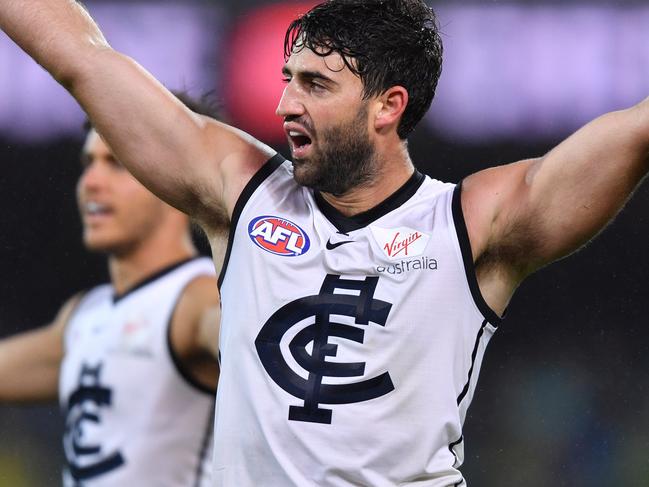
(331, 246)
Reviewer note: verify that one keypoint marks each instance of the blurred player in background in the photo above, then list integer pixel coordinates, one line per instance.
(361, 295)
(132, 362)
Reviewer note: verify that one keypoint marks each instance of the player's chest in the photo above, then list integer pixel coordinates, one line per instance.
(114, 331)
(304, 247)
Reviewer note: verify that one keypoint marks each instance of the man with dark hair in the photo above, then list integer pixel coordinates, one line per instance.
(133, 363)
(361, 294)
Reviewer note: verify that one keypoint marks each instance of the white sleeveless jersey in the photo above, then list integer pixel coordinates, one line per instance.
(134, 418)
(350, 347)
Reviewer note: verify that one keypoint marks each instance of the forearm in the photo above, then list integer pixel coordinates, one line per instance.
(62, 37)
(176, 154)
(149, 131)
(58, 34)
(29, 367)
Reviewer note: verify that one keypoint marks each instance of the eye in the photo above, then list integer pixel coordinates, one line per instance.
(115, 164)
(85, 160)
(317, 87)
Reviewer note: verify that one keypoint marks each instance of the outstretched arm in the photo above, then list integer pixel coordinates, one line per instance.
(522, 216)
(30, 362)
(194, 163)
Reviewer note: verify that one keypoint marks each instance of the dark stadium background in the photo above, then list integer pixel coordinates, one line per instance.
(563, 396)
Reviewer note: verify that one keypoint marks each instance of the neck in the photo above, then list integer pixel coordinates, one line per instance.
(394, 170)
(129, 268)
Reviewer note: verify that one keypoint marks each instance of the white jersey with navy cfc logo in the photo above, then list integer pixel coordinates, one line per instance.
(350, 347)
(133, 417)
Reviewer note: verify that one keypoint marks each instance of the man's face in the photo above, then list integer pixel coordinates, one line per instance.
(117, 212)
(326, 122)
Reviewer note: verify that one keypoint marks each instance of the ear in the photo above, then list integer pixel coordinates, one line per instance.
(391, 106)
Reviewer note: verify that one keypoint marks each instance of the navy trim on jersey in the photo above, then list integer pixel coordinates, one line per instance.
(154, 277)
(473, 356)
(85, 473)
(184, 373)
(467, 256)
(205, 446)
(260, 176)
(346, 224)
(456, 463)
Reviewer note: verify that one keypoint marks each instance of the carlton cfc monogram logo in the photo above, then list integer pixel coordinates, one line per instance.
(361, 306)
(278, 236)
(85, 459)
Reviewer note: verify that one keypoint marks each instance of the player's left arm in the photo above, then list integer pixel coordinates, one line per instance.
(195, 330)
(525, 215)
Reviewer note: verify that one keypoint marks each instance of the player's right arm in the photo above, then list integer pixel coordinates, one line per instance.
(30, 362)
(196, 164)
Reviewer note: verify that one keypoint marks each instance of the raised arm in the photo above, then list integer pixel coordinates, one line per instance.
(523, 216)
(30, 361)
(194, 163)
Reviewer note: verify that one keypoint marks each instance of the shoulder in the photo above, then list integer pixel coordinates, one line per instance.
(198, 297)
(251, 180)
(244, 157)
(57, 328)
(67, 310)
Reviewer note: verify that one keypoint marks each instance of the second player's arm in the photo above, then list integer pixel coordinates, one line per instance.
(524, 215)
(30, 361)
(194, 163)
(195, 330)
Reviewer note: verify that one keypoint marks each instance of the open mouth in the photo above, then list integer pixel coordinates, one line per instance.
(95, 209)
(299, 140)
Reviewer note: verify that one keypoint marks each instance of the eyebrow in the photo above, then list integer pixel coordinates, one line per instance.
(308, 75)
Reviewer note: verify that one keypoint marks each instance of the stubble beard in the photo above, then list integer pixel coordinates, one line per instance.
(346, 159)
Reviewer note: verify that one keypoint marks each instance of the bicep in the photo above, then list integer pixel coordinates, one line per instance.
(188, 160)
(536, 211)
(570, 194)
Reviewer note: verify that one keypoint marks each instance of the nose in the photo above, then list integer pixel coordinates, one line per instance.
(290, 104)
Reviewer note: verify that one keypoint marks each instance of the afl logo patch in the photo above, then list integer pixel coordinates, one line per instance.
(278, 236)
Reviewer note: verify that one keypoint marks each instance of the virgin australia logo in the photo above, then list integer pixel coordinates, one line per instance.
(322, 308)
(400, 243)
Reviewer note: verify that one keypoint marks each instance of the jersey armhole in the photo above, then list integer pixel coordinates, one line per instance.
(260, 176)
(175, 359)
(467, 257)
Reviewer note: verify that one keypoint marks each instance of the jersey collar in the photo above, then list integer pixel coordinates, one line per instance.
(153, 277)
(346, 224)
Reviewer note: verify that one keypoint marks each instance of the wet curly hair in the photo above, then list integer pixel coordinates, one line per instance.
(384, 42)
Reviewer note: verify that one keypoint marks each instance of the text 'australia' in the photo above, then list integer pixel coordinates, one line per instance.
(421, 264)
